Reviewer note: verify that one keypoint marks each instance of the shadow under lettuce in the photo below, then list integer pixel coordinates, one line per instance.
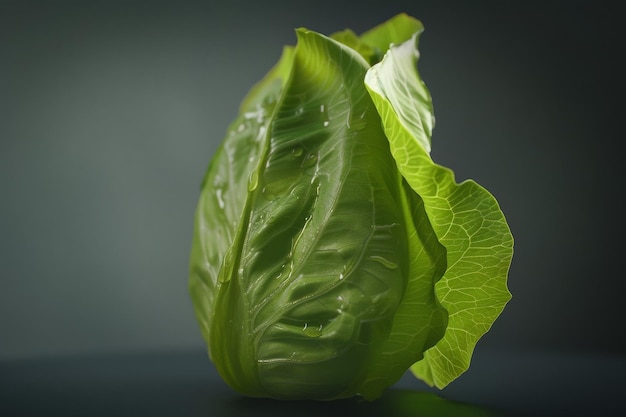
(394, 403)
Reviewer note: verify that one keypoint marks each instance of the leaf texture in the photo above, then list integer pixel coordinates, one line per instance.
(466, 218)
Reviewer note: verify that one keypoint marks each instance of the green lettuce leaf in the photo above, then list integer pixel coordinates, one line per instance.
(466, 218)
(321, 266)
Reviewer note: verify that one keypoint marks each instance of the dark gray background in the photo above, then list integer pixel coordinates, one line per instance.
(110, 112)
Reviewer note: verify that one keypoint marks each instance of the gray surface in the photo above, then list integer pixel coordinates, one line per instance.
(185, 384)
(110, 112)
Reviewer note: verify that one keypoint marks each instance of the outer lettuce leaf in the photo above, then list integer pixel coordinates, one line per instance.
(321, 267)
(222, 206)
(465, 217)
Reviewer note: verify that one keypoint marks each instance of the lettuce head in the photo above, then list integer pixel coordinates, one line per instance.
(330, 253)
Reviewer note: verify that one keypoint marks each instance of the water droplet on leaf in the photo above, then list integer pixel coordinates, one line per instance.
(220, 197)
(253, 181)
